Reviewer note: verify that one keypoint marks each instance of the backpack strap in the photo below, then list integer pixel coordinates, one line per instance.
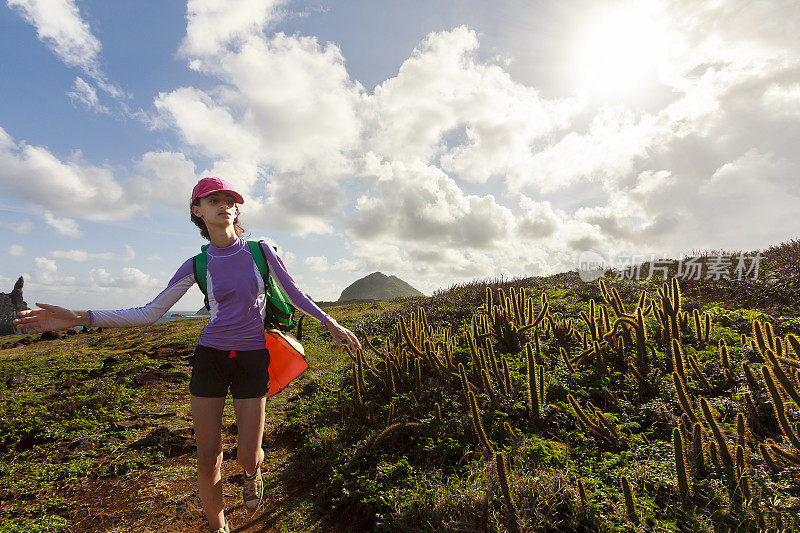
(261, 260)
(200, 269)
(279, 308)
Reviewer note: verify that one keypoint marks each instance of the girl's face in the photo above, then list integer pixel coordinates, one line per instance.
(217, 209)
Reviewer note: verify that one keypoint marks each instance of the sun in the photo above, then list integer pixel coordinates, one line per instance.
(618, 52)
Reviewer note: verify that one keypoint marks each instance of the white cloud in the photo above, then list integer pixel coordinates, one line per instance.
(64, 226)
(16, 250)
(45, 272)
(83, 256)
(59, 25)
(82, 92)
(213, 25)
(153, 258)
(320, 264)
(443, 91)
(128, 278)
(23, 228)
(74, 187)
(421, 204)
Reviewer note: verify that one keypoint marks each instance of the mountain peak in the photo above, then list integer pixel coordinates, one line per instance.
(378, 286)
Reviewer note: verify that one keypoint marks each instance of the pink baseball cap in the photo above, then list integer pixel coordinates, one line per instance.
(207, 186)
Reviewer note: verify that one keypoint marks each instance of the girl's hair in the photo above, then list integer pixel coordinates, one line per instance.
(202, 225)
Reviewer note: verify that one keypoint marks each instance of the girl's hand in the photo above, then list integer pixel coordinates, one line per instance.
(49, 318)
(342, 336)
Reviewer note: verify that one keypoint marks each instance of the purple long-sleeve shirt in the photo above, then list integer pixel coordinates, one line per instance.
(235, 293)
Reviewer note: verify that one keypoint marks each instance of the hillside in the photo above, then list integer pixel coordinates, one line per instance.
(616, 406)
(378, 286)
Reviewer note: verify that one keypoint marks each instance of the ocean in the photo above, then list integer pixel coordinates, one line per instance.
(172, 316)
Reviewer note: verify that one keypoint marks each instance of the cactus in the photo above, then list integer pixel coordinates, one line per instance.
(510, 317)
(712, 452)
(767, 457)
(783, 379)
(683, 397)
(610, 395)
(565, 357)
(360, 368)
(699, 456)
(417, 375)
(783, 454)
(724, 451)
(584, 499)
(680, 466)
(698, 372)
(630, 505)
(502, 474)
(393, 429)
(741, 428)
(477, 424)
(741, 473)
(601, 428)
(780, 410)
(542, 398)
(487, 385)
(464, 383)
(510, 431)
(752, 384)
(358, 401)
(535, 406)
(508, 385)
(678, 363)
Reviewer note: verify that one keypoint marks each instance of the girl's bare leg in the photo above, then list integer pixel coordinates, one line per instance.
(207, 416)
(250, 421)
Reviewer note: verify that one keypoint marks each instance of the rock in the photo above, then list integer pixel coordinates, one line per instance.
(108, 362)
(95, 373)
(14, 380)
(81, 445)
(24, 341)
(67, 384)
(10, 304)
(51, 335)
(71, 332)
(167, 366)
(171, 443)
(31, 439)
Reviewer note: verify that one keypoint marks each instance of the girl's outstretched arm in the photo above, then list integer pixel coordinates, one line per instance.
(144, 316)
(341, 335)
(50, 318)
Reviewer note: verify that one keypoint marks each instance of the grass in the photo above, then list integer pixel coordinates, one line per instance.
(324, 470)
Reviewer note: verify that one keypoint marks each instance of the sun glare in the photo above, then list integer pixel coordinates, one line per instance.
(618, 52)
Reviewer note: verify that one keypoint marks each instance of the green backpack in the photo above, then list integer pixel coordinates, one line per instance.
(280, 311)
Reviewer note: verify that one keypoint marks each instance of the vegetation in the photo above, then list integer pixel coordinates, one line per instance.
(548, 405)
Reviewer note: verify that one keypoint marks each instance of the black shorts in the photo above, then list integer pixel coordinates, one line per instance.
(244, 371)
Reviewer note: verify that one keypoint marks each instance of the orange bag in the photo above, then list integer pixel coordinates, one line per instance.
(287, 359)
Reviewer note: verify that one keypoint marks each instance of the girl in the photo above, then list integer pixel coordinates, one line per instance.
(231, 352)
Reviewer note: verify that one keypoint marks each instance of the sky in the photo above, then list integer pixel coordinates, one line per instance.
(440, 142)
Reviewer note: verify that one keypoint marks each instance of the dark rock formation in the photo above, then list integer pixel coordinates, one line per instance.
(9, 305)
(378, 286)
(171, 443)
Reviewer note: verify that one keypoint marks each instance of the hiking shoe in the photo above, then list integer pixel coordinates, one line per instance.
(225, 529)
(253, 490)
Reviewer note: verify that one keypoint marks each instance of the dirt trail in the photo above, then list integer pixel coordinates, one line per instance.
(167, 500)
